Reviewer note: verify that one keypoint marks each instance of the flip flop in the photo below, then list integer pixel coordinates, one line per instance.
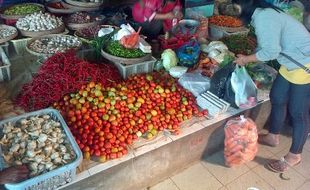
(262, 140)
(280, 166)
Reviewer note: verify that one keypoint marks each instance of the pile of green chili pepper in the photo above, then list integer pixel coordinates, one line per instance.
(22, 9)
(240, 44)
(116, 49)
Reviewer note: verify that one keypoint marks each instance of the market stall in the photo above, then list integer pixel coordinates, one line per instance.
(92, 105)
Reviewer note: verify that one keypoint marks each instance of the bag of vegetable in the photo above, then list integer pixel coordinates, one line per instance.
(188, 54)
(240, 141)
(262, 75)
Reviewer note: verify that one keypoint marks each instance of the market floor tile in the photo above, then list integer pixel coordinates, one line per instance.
(196, 177)
(261, 157)
(305, 186)
(168, 184)
(216, 165)
(247, 180)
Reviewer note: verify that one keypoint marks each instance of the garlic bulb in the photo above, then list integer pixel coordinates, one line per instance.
(39, 22)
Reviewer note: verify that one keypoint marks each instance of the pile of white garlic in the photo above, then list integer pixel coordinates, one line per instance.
(38, 142)
(6, 32)
(51, 45)
(39, 22)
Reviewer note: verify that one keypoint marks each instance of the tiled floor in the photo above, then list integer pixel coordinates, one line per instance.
(211, 174)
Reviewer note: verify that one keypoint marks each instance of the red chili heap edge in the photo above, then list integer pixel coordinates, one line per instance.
(61, 74)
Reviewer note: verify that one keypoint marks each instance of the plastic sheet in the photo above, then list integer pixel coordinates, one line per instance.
(195, 83)
(240, 141)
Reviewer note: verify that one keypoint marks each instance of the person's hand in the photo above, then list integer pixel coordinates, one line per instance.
(241, 60)
(170, 16)
(178, 15)
(14, 174)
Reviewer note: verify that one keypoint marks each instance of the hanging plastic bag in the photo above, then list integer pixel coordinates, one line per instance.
(244, 88)
(219, 82)
(195, 82)
(240, 141)
(188, 54)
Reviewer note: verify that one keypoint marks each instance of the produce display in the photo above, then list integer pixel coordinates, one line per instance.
(207, 66)
(38, 142)
(54, 44)
(240, 44)
(65, 74)
(80, 18)
(39, 22)
(225, 21)
(22, 9)
(105, 120)
(116, 49)
(6, 32)
(89, 33)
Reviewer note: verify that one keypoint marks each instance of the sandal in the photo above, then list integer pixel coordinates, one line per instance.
(279, 166)
(264, 141)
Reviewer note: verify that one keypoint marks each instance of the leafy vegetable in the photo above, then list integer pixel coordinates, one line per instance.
(227, 59)
(240, 44)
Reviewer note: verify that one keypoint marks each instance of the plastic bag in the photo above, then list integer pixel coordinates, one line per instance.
(177, 71)
(188, 54)
(219, 81)
(195, 83)
(240, 141)
(244, 88)
(262, 75)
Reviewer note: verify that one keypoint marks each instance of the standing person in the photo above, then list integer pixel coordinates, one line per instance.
(152, 15)
(278, 33)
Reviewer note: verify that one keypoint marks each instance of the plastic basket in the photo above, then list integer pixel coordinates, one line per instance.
(5, 72)
(216, 33)
(5, 47)
(20, 45)
(54, 178)
(128, 70)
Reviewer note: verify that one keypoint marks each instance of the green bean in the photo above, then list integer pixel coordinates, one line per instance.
(22, 9)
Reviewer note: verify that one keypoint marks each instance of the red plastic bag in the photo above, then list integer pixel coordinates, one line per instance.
(240, 141)
(131, 41)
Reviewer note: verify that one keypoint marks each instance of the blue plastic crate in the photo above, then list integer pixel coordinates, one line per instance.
(54, 178)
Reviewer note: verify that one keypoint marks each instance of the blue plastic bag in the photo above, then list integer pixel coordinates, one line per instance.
(188, 54)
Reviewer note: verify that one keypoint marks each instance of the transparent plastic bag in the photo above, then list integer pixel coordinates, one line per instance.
(262, 75)
(244, 88)
(240, 141)
(195, 82)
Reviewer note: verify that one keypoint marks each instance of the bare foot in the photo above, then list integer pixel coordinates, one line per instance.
(292, 159)
(270, 139)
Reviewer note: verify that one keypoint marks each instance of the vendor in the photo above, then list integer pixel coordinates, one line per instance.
(13, 174)
(155, 15)
(278, 33)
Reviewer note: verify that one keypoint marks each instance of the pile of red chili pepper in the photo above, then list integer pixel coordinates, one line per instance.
(61, 74)
(226, 21)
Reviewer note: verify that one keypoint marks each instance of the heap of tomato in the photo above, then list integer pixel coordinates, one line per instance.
(104, 121)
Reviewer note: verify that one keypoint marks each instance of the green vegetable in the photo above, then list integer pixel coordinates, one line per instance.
(22, 9)
(169, 59)
(116, 49)
(101, 42)
(295, 12)
(240, 44)
(227, 59)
